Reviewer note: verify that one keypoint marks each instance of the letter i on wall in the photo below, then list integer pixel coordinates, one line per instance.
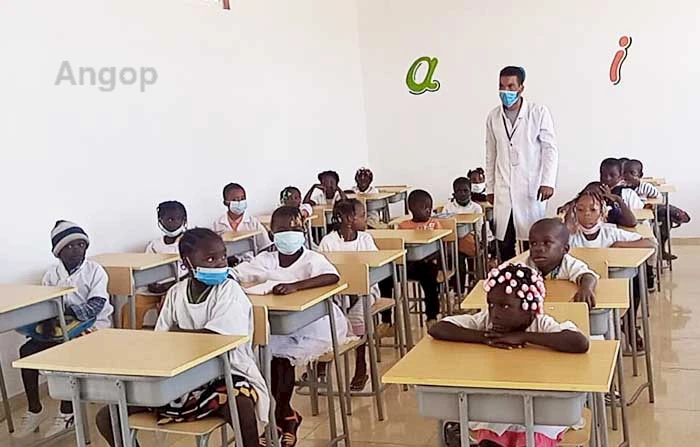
(620, 55)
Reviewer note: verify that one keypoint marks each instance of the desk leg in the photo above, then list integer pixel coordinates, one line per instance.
(371, 346)
(485, 252)
(477, 259)
(443, 266)
(123, 414)
(117, 313)
(659, 253)
(405, 309)
(266, 362)
(632, 328)
(529, 420)
(6, 402)
(254, 245)
(78, 416)
(132, 311)
(398, 314)
(645, 328)
(339, 378)
(463, 419)
(114, 419)
(232, 407)
(599, 399)
(621, 381)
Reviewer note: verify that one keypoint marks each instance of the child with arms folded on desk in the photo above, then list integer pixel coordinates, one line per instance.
(86, 309)
(236, 218)
(210, 301)
(425, 271)
(326, 191)
(549, 256)
(514, 318)
(350, 223)
(293, 268)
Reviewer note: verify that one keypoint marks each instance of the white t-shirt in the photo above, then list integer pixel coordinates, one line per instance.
(608, 235)
(472, 207)
(570, 269)
(370, 190)
(542, 323)
(631, 199)
(159, 246)
(312, 341)
(90, 280)
(227, 311)
(306, 207)
(319, 197)
(248, 223)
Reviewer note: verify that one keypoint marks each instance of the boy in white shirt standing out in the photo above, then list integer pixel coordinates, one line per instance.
(89, 303)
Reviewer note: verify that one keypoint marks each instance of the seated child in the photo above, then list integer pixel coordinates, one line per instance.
(350, 234)
(89, 306)
(294, 268)
(210, 301)
(632, 173)
(611, 175)
(327, 191)
(363, 185)
(291, 196)
(237, 219)
(549, 255)
(425, 271)
(477, 179)
(617, 212)
(514, 319)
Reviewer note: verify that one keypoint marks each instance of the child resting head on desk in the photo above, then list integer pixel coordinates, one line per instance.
(210, 301)
(291, 196)
(327, 191)
(514, 318)
(86, 309)
(549, 255)
(236, 218)
(294, 268)
(590, 230)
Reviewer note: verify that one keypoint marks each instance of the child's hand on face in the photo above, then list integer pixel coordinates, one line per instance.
(585, 295)
(506, 341)
(284, 289)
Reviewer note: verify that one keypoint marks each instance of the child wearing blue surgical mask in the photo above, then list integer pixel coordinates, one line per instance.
(237, 218)
(291, 269)
(210, 301)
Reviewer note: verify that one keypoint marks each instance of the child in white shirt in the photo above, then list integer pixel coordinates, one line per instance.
(210, 301)
(549, 255)
(326, 191)
(632, 173)
(363, 185)
(350, 223)
(237, 219)
(294, 268)
(88, 307)
(611, 175)
(514, 318)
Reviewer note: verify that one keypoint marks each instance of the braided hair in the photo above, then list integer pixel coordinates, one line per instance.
(192, 238)
(520, 280)
(287, 192)
(341, 209)
(171, 206)
(571, 217)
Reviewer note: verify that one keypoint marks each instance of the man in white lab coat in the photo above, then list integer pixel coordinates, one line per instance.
(521, 161)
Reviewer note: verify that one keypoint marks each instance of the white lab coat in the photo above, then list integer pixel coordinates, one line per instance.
(516, 169)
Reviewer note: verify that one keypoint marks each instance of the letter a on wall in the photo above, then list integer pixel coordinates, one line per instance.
(427, 84)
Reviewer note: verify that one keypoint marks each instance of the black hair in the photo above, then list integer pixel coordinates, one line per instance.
(559, 228)
(343, 208)
(514, 71)
(191, 238)
(231, 187)
(287, 191)
(171, 206)
(461, 180)
(329, 173)
(418, 196)
(366, 171)
(611, 163)
(479, 171)
(286, 212)
(635, 162)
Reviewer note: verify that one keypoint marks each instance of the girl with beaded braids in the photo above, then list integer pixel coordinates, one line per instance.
(514, 318)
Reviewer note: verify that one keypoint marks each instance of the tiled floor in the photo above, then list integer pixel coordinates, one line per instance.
(674, 420)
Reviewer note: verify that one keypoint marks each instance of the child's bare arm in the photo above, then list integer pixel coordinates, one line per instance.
(307, 197)
(565, 341)
(326, 279)
(443, 330)
(586, 289)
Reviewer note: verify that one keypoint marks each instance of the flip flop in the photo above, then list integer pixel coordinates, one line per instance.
(289, 437)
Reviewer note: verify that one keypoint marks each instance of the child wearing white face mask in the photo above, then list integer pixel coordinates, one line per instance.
(237, 219)
(478, 184)
(293, 268)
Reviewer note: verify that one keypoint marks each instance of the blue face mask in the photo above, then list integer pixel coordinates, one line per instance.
(289, 242)
(238, 207)
(211, 276)
(508, 98)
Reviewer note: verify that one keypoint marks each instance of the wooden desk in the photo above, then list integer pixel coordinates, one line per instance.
(645, 231)
(450, 377)
(654, 201)
(289, 313)
(411, 237)
(376, 202)
(654, 180)
(610, 294)
(642, 214)
(399, 194)
(21, 305)
(666, 188)
(129, 271)
(239, 242)
(324, 214)
(371, 258)
(105, 367)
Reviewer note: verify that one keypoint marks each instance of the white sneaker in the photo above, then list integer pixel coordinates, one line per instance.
(28, 424)
(61, 422)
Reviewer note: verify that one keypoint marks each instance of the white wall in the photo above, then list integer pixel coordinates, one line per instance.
(567, 49)
(260, 95)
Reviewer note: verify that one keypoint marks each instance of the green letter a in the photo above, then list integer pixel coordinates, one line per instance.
(428, 84)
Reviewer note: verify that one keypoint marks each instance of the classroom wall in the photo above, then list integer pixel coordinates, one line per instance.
(260, 94)
(567, 48)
